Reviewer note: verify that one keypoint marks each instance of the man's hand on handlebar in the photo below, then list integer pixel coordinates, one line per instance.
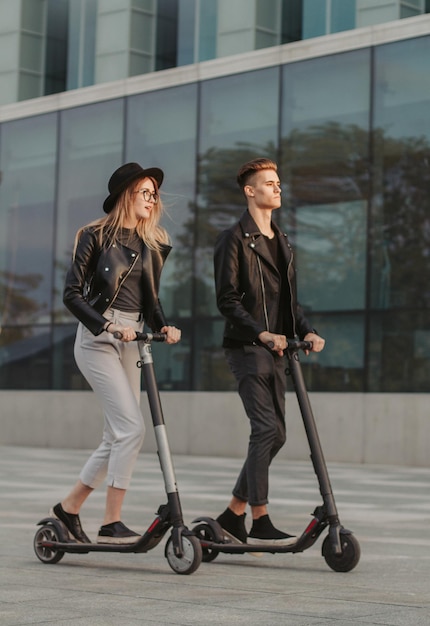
(277, 343)
(317, 342)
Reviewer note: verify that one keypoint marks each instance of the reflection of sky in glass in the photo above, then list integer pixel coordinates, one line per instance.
(402, 88)
(334, 88)
(242, 108)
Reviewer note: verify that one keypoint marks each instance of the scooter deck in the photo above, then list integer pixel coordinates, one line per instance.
(143, 543)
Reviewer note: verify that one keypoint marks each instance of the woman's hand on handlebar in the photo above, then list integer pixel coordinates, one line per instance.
(123, 333)
(173, 334)
(317, 342)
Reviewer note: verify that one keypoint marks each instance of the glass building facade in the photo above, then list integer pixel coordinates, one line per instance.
(351, 134)
(50, 46)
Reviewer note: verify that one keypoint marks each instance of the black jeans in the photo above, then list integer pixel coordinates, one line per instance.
(261, 379)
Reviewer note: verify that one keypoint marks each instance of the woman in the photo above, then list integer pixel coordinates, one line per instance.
(112, 285)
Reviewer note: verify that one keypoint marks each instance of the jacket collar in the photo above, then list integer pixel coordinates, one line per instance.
(250, 228)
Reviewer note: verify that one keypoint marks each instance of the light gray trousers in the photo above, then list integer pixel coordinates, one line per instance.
(109, 366)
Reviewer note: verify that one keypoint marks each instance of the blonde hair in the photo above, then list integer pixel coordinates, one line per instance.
(149, 229)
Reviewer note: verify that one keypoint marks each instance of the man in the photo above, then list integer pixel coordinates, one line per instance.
(256, 293)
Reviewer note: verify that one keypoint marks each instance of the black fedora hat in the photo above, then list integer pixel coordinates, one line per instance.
(124, 176)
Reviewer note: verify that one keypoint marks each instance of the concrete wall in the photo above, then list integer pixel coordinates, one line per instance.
(357, 428)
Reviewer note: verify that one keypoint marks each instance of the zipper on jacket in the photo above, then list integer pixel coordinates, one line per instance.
(291, 294)
(263, 291)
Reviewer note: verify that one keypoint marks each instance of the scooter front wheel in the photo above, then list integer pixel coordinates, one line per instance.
(191, 556)
(348, 559)
(43, 537)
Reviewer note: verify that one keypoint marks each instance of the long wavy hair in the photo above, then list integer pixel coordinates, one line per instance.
(149, 229)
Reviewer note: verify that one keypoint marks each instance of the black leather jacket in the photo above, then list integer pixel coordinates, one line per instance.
(96, 274)
(248, 284)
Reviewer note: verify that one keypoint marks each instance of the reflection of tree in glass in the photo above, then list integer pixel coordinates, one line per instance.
(219, 204)
(325, 163)
(16, 302)
(405, 196)
(328, 164)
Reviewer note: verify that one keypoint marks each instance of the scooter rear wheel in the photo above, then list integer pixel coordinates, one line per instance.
(205, 533)
(46, 553)
(191, 557)
(350, 556)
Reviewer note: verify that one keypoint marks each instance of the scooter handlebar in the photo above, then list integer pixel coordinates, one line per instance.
(294, 345)
(147, 337)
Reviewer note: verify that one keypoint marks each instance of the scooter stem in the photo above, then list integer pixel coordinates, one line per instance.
(317, 456)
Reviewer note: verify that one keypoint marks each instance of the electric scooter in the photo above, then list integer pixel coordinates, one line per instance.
(340, 548)
(183, 550)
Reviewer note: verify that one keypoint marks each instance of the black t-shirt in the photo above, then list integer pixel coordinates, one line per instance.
(284, 321)
(130, 295)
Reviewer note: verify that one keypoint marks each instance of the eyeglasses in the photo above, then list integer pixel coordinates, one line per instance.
(148, 195)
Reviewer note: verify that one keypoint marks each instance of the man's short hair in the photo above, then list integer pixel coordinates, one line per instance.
(252, 167)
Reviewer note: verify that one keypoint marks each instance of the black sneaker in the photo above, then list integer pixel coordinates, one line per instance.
(233, 526)
(72, 522)
(264, 533)
(116, 532)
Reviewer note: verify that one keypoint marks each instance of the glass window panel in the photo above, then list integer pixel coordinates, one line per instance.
(27, 196)
(65, 372)
(267, 14)
(142, 32)
(81, 43)
(161, 132)
(265, 39)
(91, 145)
(186, 32)
(314, 18)
(140, 64)
(172, 363)
(342, 15)
(25, 357)
(30, 86)
(32, 15)
(56, 45)
(341, 365)
(166, 40)
(324, 156)
(401, 208)
(211, 371)
(32, 47)
(406, 11)
(399, 351)
(332, 269)
(235, 126)
(292, 20)
(208, 30)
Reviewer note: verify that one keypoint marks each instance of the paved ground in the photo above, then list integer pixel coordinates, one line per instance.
(388, 509)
